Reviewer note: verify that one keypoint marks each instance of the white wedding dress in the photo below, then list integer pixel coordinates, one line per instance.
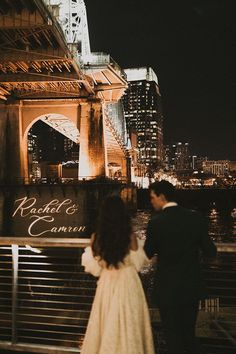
(119, 322)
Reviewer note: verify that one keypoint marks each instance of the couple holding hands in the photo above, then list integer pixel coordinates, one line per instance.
(119, 322)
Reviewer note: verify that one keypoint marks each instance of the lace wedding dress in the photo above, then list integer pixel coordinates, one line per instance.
(119, 322)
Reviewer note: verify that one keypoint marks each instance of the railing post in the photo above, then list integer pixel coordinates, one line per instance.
(15, 262)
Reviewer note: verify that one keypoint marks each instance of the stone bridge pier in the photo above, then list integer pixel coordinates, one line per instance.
(17, 118)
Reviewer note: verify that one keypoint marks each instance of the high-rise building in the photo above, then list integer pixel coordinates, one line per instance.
(182, 158)
(177, 157)
(197, 162)
(143, 113)
(169, 158)
(34, 155)
(71, 150)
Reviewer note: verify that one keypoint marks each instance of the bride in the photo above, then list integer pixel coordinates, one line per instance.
(119, 322)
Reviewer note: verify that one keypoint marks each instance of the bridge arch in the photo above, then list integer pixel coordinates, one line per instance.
(84, 121)
(57, 121)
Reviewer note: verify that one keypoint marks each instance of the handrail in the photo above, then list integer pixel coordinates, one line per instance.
(45, 286)
(62, 181)
(45, 242)
(76, 242)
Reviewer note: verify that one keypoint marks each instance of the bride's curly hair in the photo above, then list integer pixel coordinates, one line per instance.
(113, 235)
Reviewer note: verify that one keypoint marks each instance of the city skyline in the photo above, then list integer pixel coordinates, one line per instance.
(143, 113)
(191, 50)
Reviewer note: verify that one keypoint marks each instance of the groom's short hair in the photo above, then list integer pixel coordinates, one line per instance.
(164, 187)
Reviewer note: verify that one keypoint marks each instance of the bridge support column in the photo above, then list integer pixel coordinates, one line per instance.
(128, 169)
(124, 167)
(92, 151)
(15, 149)
(3, 121)
(105, 142)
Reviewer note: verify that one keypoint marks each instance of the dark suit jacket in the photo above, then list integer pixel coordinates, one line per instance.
(178, 236)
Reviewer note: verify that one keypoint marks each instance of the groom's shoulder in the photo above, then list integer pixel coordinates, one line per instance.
(192, 213)
(162, 216)
(157, 218)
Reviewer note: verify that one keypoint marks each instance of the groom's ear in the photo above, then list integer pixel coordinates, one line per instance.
(163, 197)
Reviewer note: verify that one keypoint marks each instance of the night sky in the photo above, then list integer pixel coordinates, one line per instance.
(192, 47)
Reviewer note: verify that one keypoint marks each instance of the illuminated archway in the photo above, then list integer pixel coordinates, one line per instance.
(58, 122)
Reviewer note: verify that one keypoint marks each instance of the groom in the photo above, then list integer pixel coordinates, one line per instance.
(178, 236)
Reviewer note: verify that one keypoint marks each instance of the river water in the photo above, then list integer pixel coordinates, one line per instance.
(222, 223)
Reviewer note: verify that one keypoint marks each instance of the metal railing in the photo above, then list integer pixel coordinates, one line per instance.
(64, 181)
(101, 59)
(45, 297)
(216, 324)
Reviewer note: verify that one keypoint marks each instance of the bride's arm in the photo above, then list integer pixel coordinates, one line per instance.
(89, 262)
(133, 242)
(138, 254)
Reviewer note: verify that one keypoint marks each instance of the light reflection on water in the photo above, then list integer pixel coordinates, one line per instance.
(222, 223)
